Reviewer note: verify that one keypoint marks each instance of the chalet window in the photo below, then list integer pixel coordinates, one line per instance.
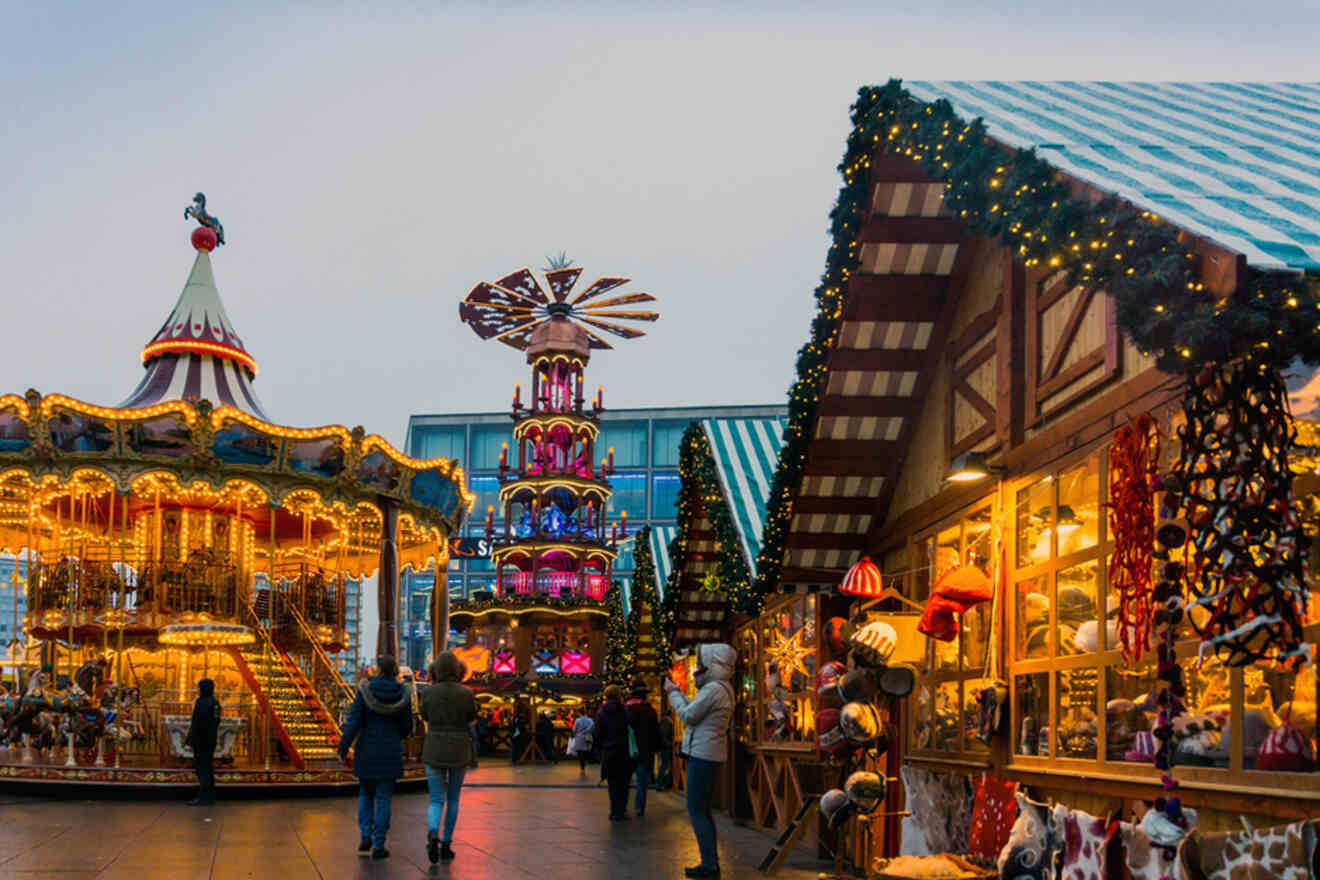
(1076, 700)
(953, 672)
(788, 642)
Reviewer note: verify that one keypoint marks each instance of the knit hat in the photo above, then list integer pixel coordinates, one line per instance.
(858, 685)
(1284, 749)
(827, 679)
(874, 643)
(830, 738)
(860, 723)
(866, 790)
(1143, 749)
(836, 807)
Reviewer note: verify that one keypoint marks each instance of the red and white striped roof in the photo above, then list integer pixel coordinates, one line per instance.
(197, 354)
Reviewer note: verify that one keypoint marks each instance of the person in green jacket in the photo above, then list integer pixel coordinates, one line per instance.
(448, 709)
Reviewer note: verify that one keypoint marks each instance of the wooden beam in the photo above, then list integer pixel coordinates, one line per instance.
(794, 575)
(889, 168)
(911, 230)
(845, 405)
(832, 504)
(887, 359)
(825, 540)
(927, 368)
(823, 452)
(980, 326)
(894, 297)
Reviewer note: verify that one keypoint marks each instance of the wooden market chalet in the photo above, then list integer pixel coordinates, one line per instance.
(1032, 288)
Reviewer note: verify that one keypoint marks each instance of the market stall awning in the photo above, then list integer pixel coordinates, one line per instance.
(746, 453)
(1234, 162)
(660, 538)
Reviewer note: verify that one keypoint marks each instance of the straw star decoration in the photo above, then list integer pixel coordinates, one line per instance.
(788, 653)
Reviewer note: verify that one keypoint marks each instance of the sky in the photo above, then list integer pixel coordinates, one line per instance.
(372, 162)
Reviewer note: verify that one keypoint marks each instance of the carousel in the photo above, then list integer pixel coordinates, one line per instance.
(555, 535)
(184, 535)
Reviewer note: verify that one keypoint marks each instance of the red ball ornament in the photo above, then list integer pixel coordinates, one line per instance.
(203, 238)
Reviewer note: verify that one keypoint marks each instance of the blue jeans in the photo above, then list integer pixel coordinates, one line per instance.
(701, 776)
(444, 784)
(643, 777)
(374, 808)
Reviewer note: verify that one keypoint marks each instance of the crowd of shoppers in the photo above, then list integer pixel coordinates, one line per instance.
(626, 734)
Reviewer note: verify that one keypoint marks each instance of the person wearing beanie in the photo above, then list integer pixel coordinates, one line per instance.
(378, 722)
(203, 733)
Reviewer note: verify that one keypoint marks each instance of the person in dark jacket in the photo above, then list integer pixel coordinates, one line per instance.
(203, 732)
(449, 710)
(616, 764)
(380, 719)
(665, 779)
(645, 725)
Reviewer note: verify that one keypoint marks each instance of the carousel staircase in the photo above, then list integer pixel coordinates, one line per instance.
(298, 718)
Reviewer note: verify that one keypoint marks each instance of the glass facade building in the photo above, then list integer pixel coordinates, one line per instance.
(13, 599)
(645, 484)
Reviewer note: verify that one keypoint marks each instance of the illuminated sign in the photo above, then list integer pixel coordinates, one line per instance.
(469, 548)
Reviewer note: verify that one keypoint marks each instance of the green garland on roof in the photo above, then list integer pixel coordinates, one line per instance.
(1017, 197)
(701, 487)
(620, 640)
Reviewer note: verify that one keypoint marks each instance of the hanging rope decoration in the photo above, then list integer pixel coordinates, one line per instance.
(1168, 601)
(1133, 472)
(1232, 484)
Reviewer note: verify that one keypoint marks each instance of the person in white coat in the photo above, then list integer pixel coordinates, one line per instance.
(706, 720)
(579, 744)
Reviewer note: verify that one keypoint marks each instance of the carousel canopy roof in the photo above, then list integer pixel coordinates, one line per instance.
(746, 453)
(197, 354)
(1238, 163)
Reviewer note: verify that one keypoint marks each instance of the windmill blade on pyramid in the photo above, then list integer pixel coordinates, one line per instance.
(562, 281)
(512, 308)
(599, 286)
(619, 301)
(524, 283)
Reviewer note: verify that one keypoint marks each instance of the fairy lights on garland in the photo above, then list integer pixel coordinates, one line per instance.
(620, 639)
(645, 594)
(1147, 265)
(701, 489)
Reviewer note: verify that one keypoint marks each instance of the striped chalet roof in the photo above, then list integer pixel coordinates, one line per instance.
(661, 537)
(1237, 163)
(746, 453)
(197, 354)
(719, 539)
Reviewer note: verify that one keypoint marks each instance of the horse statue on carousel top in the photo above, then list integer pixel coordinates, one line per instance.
(198, 210)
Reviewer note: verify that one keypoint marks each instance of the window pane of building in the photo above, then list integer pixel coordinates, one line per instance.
(437, 442)
(629, 442)
(487, 441)
(664, 496)
(667, 436)
(629, 494)
(488, 495)
(1079, 507)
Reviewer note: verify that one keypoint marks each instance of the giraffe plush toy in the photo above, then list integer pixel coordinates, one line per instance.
(1281, 853)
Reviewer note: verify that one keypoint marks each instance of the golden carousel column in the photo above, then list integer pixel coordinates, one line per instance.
(123, 612)
(440, 604)
(266, 659)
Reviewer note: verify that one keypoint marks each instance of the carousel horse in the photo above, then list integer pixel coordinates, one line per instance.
(198, 210)
(116, 704)
(81, 717)
(33, 716)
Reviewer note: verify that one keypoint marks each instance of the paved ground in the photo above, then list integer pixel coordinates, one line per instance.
(530, 822)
